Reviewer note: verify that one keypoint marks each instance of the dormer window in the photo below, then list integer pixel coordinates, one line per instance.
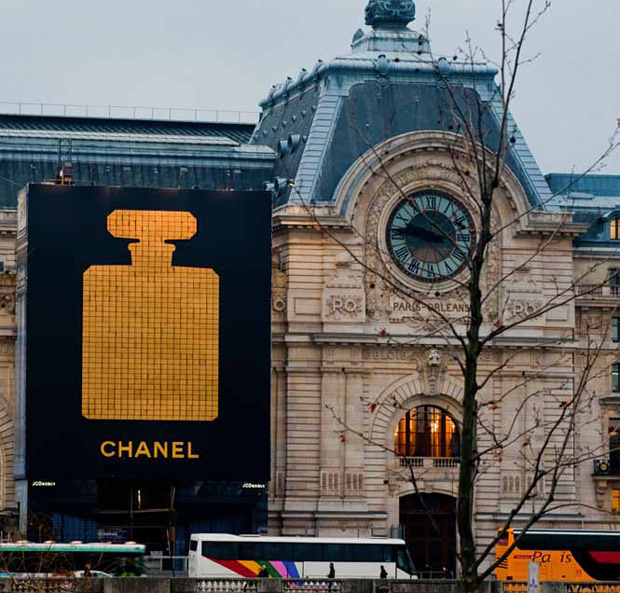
(614, 228)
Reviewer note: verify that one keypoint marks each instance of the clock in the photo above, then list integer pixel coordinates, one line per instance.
(429, 235)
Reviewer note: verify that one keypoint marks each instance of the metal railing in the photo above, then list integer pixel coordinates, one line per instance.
(429, 462)
(598, 290)
(561, 587)
(313, 585)
(227, 585)
(138, 113)
(165, 565)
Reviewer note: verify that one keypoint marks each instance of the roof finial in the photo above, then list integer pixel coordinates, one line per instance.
(390, 14)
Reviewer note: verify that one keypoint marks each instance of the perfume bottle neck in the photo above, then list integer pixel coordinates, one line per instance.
(151, 253)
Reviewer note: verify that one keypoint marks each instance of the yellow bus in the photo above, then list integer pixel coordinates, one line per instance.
(574, 556)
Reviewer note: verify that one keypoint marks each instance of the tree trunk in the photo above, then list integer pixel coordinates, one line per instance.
(467, 474)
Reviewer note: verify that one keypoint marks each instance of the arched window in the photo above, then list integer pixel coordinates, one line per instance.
(427, 431)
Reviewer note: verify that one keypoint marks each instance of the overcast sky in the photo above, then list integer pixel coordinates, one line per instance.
(227, 53)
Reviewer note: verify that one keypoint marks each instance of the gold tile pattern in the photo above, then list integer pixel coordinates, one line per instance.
(150, 330)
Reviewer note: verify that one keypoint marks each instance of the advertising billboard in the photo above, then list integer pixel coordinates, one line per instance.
(147, 333)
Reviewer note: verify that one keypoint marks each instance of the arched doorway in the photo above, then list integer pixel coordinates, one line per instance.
(431, 542)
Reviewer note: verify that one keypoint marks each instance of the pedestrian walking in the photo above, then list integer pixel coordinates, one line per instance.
(332, 571)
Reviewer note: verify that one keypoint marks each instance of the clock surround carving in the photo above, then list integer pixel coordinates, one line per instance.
(418, 172)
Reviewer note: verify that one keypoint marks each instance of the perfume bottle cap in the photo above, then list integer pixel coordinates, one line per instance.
(152, 226)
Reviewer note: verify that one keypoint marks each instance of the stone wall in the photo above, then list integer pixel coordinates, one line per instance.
(184, 585)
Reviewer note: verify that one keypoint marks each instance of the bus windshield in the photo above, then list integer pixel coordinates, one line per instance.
(404, 561)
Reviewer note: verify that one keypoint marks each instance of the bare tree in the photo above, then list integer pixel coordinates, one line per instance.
(479, 142)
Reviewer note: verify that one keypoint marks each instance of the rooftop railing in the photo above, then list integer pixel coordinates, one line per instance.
(178, 114)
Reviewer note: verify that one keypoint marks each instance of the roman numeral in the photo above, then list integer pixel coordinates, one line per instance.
(459, 221)
(431, 202)
(459, 255)
(397, 233)
(448, 268)
(464, 237)
(414, 266)
(402, 253)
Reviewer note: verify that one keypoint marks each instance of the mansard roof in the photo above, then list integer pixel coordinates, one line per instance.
(594, 199)
(322, 122)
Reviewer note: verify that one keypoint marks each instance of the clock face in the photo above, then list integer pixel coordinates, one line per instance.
(429, 236)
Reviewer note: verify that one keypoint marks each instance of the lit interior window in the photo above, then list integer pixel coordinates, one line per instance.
(426, 431)
(615, 501)
(614, 229)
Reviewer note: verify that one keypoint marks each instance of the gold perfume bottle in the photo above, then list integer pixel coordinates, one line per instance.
(150, 330)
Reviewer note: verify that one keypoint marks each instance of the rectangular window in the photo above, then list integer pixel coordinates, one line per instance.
(615, 378)
(338, 553)
(615, 501)
(613, 275)
(615, 329)
(614, 229)
(220, 550)
(368, 553)
(306, 552)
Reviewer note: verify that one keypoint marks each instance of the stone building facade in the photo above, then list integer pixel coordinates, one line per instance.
(365, 387)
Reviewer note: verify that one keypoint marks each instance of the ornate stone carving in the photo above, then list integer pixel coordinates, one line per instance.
(354, 483)
(279, 284)
(391, 14)
(342, 305)
(516, 308)
(387, 302)
(343, 298)
(278, 302)
(344, 276)
(592, 322)
(523, 283)
(433, 371)
(330, 483)
(391, 354)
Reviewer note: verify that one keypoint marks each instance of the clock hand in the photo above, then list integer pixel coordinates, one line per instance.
(425, 234)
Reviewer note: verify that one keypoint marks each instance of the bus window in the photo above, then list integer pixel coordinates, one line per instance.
(193, 545)
(220, 550)
(368, 553)
(270, 551)
(337, 553)
(308, 552)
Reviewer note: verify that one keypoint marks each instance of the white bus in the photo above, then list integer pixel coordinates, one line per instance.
(221, 555)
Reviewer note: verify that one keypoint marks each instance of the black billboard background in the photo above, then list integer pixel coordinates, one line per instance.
(67, 233)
